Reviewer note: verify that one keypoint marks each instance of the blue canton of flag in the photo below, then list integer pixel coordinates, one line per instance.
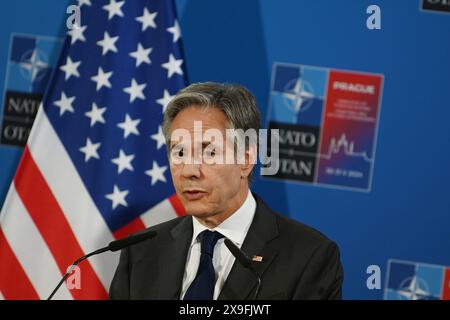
(115, 77)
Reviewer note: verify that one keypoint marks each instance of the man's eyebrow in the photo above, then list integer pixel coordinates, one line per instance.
(172, 145)
(204, 144)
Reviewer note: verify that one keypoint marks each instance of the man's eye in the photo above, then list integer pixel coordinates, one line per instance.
(179, 153)
(210, 153)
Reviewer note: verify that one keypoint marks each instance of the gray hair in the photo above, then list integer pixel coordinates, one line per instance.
(235, 101)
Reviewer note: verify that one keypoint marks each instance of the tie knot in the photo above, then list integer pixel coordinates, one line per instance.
(209, 240)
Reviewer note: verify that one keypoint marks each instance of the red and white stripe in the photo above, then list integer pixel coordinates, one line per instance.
(49, 220)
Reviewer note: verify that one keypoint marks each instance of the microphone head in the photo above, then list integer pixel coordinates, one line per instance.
(131, 239)
(240, 256)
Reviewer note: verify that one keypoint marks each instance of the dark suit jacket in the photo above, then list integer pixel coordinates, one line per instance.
(298, 262)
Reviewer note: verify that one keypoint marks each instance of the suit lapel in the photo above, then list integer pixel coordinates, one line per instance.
(241, 283)
(172, 261)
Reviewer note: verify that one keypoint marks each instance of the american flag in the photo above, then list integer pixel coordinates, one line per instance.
(95, 167)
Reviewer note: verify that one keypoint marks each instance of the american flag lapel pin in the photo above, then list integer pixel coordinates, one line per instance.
(257, 258)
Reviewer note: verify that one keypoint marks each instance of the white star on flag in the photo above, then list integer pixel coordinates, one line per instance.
(114, 9)
(173, 66)
(123, 161)
(77, 34)
(71, 68)
(86, 2)
(175, 31)
(118, 197)
(102, 79)
(96, 114)
(159, 138)
(135, 90)
(141, 55)
(164, 101)
(147, 19)
(108, 43)
(129, 126)
(156, 173)
(64, 104)
(90, 150)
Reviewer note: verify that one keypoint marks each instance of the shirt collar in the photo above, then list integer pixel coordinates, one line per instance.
(236, 226)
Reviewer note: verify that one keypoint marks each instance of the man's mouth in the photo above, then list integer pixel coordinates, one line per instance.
(192, 195)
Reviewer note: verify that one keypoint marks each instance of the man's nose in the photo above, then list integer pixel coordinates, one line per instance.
(191, 170)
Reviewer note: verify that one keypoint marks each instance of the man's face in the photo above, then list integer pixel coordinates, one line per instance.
(205, 189)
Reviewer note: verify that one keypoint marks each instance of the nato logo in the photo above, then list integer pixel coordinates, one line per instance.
(417, 281)
(297, 94)
(30, 65)
(296, 104)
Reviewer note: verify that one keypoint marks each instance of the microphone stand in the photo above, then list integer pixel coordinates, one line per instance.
(113, 246)
(245, 261)
(74, 264)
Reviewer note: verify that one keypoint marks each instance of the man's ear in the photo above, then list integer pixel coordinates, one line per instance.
(250, 161)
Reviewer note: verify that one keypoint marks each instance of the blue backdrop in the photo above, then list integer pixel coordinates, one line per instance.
(406, 215)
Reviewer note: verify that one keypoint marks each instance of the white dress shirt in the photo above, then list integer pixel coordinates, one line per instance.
(234, 228)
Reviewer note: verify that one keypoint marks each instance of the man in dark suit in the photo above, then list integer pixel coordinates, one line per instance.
(188, 258)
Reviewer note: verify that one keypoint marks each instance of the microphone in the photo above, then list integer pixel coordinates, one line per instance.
(245, 261)
(112, 246)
